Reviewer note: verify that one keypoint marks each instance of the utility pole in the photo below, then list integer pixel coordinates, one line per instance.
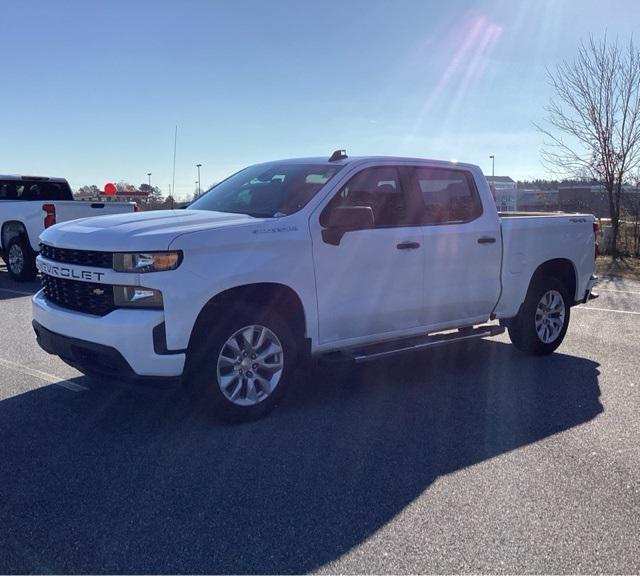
(175, 147)
(199, 189)
(493, 175)
(149, 175)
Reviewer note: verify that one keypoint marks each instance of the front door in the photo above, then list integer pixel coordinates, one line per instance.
(371, 282)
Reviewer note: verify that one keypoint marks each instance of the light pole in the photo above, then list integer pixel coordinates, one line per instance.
(493, 175)
(149, 175)
(198, 166)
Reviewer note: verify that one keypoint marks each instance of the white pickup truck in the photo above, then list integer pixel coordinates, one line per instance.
(357, 257)
(28, 205)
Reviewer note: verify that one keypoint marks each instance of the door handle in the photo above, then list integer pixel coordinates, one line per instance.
(486, 240)
(408, 245)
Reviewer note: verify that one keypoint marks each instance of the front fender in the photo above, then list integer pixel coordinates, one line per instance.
(220, 260)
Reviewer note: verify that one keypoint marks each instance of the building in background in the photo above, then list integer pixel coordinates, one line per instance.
(584, 197)
(133, 195)
(505, 192)
(536, 200)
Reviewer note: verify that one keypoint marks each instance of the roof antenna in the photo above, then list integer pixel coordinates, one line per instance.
(338, 155)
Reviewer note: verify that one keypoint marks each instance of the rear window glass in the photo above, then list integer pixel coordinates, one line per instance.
(34, 190)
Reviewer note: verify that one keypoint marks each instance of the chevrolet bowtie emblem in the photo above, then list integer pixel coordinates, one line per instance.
(97, 291)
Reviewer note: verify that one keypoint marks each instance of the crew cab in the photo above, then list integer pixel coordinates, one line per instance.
(28, 205)
(359, 258)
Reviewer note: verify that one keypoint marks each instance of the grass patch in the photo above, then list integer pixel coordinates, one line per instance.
(621, 268)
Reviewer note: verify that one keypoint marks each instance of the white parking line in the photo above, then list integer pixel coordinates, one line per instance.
(48, 378)
(598, 289)
(605, 310)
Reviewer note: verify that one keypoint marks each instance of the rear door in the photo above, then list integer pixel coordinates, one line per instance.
(462, 248)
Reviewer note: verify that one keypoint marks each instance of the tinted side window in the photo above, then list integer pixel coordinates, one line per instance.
(449, 196)
(378, 188)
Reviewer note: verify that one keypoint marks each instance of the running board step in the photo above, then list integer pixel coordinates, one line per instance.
(377, 351)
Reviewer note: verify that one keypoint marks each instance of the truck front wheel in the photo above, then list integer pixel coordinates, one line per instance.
(244, 366)
(540, 326)
(20, 259)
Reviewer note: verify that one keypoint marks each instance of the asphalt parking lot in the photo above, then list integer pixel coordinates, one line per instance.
(470, 458)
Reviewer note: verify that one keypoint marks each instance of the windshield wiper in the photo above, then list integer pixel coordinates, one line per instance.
(262, 214)
(243, 212)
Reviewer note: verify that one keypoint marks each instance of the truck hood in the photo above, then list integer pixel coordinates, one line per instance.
(140, 231)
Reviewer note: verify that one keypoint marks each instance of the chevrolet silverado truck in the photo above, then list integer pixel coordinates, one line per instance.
(285, 261)
(28, 205)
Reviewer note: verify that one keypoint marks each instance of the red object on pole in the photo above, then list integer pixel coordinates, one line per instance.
(110, 189)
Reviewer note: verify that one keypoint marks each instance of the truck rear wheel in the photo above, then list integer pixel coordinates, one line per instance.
(243, 368)
(541, 325)
(20, 260)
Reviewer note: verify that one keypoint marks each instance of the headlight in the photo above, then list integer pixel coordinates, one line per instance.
(137, 297)
(146, 261)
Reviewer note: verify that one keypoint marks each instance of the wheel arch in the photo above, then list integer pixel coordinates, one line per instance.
(274, 296)
(10, 230)
(561, 268)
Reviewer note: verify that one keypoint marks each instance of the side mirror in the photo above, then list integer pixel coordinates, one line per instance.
(343, 219)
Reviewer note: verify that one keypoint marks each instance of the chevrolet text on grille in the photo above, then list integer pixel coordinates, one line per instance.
(62, 272)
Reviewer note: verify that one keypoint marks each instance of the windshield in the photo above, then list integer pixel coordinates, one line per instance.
(267, 190)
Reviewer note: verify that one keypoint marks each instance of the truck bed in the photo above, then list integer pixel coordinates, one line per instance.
(532, 238)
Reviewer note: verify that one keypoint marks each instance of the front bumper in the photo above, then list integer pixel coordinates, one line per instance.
(118, 345)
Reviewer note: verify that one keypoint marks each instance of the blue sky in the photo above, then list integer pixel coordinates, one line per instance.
(93, 90)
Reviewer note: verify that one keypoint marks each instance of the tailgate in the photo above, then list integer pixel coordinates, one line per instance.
(73, 210)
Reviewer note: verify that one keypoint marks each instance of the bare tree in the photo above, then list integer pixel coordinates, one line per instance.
(88, 191)
(593, 123)
(631, 211)
(155, 197)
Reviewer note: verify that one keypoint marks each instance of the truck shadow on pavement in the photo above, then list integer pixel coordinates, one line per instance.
(121, 482)
(10, 289)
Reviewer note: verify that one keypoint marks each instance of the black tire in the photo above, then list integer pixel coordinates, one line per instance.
(203, 358)
(20, 259)
(522, 328)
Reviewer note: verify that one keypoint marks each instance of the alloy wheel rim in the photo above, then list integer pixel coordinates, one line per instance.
(550, 316)
(250, 365)
(16, 259)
